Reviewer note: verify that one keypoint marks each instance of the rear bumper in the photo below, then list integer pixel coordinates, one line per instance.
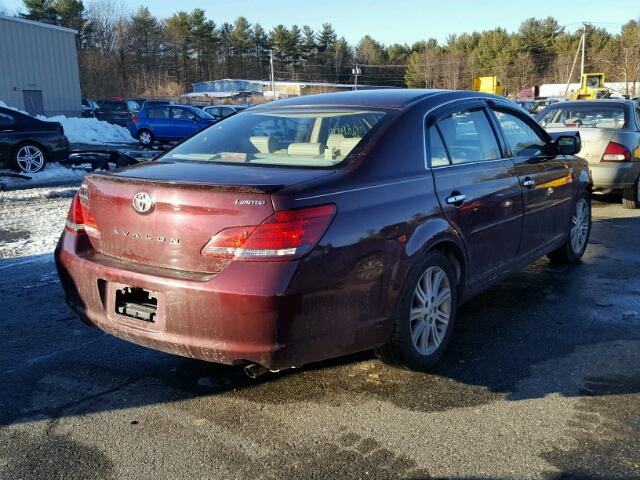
(246, 313)
(614, 175)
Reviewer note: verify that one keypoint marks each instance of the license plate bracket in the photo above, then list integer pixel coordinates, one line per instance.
(136, 303)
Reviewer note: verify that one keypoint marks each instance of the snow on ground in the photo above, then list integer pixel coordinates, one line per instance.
(53, 174)
(31, 221)
(86, 130)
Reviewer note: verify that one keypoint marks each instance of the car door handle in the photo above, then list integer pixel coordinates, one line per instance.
(457, 199)
(528, 182)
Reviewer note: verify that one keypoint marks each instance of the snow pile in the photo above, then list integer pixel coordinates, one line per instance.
(91, 130)
(86, 130)
(53, 174)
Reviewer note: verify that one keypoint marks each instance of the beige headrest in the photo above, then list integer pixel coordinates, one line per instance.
(263, 144)
(334, 140)
(348, 144)
(305, 149)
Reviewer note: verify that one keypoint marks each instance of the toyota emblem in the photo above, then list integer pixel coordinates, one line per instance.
(142, 202)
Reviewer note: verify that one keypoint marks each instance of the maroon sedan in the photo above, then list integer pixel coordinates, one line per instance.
(314, 227)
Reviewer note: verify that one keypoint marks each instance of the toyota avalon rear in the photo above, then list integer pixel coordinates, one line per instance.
(324, 225)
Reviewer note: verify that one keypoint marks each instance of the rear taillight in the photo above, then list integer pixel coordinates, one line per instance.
(616, 153)
(284, 235)
(80, 220)
(135, 120)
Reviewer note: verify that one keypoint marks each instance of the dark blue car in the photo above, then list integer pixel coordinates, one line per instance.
(166, 123)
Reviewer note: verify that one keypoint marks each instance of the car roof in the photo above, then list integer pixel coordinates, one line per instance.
(384, 98)
(620, 101)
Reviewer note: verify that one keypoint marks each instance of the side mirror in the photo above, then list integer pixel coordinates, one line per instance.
(568, 144)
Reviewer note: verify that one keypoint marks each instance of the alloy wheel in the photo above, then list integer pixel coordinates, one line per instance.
(145, 138)
(430, 310)
(580, 226)
(30, 159)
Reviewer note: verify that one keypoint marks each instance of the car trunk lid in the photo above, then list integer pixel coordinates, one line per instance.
(191, 202)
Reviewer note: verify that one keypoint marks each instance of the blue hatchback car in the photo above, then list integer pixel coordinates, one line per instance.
(166, 123)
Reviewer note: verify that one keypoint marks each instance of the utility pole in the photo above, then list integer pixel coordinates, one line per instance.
(575, 59)
(273, 82)
(356, 71)
(626, 69)
(584, 41)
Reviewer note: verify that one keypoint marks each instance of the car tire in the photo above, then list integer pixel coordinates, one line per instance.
(424, 323)
(145, 137)
(631, 196)
(577, 239)
(29, 157)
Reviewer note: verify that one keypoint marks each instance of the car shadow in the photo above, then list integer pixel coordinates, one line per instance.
(542, 331)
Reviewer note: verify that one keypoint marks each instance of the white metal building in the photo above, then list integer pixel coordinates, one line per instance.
(39, 67)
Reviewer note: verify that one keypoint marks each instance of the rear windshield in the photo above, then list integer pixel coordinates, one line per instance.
(301, 138)
(587, 115)
(114, 106)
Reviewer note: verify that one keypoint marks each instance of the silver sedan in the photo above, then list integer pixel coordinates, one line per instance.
(610, 132)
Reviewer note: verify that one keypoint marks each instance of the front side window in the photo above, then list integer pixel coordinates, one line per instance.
(523, 140)
(586, 115)
(304, 137)
(182, 114)
(469, 137)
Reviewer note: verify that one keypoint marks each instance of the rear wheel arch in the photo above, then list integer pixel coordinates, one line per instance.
(450, 245)
(438, 234)
(457, 258)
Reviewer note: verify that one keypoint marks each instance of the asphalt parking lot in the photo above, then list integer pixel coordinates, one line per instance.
(542, 381)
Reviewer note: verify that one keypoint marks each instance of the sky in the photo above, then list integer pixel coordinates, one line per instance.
(401, 21)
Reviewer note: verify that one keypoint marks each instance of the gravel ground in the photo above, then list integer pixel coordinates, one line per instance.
(542, 381)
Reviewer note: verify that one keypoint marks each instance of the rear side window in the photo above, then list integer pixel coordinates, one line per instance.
(439, 157)
(6, 120)
(521, 138)
(469, 137)
(133, 106)
(586, 115)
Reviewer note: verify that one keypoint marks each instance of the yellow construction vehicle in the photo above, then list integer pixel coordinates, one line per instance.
(488, 84)
(591, 87)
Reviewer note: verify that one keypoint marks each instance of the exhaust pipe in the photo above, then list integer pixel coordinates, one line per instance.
(253, 370)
